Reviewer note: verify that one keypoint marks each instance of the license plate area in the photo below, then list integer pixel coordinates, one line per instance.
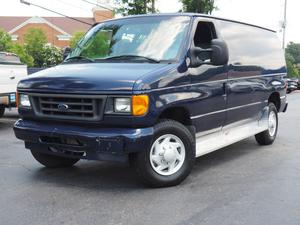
(110, 145)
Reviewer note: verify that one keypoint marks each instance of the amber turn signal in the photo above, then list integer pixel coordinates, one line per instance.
(140, 105)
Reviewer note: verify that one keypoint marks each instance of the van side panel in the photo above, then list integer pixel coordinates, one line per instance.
(255, 69)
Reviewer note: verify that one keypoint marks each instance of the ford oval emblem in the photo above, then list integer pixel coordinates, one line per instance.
(62, 107)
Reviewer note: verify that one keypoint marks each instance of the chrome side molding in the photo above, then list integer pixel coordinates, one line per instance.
(231, 134)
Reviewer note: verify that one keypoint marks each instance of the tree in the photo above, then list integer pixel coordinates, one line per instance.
(292, 56)
(293, 50)
(7, 45)
(134, 7)
(52, 55)
(21, 52)
(199, 6)
(292, 70)
(76, 38)
(35, 40)
(5, 41)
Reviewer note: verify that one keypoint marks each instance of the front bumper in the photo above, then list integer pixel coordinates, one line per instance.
(74, 141)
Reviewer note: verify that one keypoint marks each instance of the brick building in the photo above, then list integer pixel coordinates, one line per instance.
(58, 30)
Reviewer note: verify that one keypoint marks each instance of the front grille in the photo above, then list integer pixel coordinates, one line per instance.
(69, 107)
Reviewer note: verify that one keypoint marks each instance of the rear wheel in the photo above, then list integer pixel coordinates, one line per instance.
(268, 137)
(51, 161)
(170, 158)
(2, 110)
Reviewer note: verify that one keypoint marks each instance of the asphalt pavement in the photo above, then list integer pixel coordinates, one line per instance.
(240, 184)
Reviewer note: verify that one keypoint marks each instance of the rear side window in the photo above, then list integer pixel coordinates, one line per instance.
(9, 58)
(252, 47)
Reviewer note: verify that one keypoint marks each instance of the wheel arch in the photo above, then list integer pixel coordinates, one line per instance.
(177, 113)
(275, 99)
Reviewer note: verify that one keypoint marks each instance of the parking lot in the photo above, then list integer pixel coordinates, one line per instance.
(241, 184)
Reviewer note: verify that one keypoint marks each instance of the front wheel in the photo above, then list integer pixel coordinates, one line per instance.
(170, 158)
(267, 137)
(51, 161)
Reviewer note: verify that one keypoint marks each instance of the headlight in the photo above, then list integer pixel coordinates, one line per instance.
(122, 105)
(24, 100)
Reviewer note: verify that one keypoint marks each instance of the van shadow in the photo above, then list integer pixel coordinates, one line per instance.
(111, 176)
(91, 175)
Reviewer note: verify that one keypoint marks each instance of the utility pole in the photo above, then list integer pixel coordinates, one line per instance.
(284, 24)
(145, 6)
(153, 6)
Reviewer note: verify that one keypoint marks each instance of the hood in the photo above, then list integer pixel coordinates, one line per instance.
(89, 77)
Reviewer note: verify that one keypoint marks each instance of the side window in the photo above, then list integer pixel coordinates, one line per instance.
(204, 34)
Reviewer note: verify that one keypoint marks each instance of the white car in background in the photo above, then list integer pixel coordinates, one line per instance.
(11, 72)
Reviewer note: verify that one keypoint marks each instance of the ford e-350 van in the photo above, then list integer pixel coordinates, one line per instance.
(157, 91)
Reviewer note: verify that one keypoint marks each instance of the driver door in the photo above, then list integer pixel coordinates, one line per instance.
(209, 81)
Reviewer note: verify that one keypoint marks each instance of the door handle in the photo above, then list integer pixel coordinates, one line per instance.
(12, 77)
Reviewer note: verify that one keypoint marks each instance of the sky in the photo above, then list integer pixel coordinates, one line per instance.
(267, 13)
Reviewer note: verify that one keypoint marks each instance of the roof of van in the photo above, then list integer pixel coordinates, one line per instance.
(195, 15)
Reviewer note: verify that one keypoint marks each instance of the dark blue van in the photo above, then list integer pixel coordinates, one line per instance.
(157, 91)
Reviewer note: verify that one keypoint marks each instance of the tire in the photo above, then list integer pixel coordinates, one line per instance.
(2, 110)
(178, 152)
(51, 161)
(267, 137)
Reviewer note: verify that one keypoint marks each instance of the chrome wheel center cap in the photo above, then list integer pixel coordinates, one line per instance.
(169, 154)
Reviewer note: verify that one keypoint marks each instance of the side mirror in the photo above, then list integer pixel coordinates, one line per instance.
(66, 52)
(220, 55)
(216, 55)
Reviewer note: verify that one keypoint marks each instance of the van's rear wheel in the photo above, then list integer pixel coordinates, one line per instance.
(2, 110)
(268, 136)
(170, 158)
(52, 161)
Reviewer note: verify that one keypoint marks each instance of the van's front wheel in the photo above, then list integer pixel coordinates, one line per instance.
(170, 158)
(268, 136)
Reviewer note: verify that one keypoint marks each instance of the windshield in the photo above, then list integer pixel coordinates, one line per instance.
(143, 38)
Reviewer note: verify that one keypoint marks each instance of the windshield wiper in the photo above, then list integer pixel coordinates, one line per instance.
(132, 57)
(79, 57)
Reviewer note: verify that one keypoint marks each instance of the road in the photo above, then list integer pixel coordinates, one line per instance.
(240, 184)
